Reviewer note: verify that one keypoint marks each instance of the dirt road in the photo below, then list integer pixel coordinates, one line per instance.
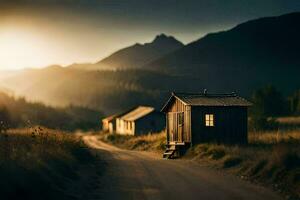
(143, 175)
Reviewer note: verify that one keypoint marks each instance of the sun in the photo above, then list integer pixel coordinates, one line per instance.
(20, 48)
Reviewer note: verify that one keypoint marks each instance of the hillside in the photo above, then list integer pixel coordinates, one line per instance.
(18, 112)
(38, 163)
(135, 56)
(261, 51)
(109, 91)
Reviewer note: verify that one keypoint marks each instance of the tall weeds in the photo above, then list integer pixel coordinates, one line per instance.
(37, 163)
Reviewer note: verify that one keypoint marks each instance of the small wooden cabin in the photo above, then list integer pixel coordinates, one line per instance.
(109, 124)
(201, 117)
(141, 120)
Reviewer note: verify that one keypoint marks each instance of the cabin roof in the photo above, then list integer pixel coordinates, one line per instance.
(109, 118)
(137, 113)
(204, 99)
(112, 117)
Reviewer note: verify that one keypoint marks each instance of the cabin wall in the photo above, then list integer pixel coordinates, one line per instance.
(177, 106)
(230, 125)
(126, 127)
(129, 127)
(112, 126)
(175, 132)
(151, 123)
(105, 125)
(120, 126)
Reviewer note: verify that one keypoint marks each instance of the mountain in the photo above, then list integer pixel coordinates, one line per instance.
(242, 59)
(136, 55)
(270, 41)
(261, 51)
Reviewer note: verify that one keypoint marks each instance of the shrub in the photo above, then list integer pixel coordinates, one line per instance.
(231, 161)
(139, 144)
(258, 167)
(115, 138)
(284, 157)
(216, 152)
(258, 123)
(4, 119)
(201, 148)
(268, 101)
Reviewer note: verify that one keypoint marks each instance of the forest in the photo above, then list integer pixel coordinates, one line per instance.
(17, 112)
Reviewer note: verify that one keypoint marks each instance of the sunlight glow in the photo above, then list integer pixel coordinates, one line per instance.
(19, 48)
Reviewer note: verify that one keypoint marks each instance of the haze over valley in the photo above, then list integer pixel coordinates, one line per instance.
(241, 59)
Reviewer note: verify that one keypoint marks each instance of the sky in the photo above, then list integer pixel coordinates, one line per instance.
(38, 33)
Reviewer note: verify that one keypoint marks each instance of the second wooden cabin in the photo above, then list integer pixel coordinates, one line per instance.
(109, 124)
(141, 120)
(197, 118)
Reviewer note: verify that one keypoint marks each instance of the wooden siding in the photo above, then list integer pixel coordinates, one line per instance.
(177, 106)
(187, 124)
(175, 131)
(230, 125)
(150, 123)
(105, 125)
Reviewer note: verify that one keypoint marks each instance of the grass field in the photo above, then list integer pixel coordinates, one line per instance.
(293, 120)
(151, 142)
(40, 164)
(271, 158)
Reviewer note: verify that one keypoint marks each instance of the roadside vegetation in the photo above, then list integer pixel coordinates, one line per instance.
(39, 163)
(152, 142)
(271, 158)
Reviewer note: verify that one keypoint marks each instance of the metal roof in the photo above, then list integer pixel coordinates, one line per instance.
(112, 117)
(204, 99)
(137, 113)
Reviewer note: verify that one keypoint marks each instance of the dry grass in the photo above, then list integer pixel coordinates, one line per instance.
(150, 142)
(37, 163)
(274, 137)
(271, 157)
(289, 120)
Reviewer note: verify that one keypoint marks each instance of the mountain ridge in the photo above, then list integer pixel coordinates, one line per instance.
(241, 59)
(137, 55)
(248, 40)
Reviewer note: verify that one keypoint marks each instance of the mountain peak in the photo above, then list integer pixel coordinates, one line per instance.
(163, 38)
(138, 55)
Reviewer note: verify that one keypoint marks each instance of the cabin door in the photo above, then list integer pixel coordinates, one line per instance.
(176, 126)
(180, 126)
